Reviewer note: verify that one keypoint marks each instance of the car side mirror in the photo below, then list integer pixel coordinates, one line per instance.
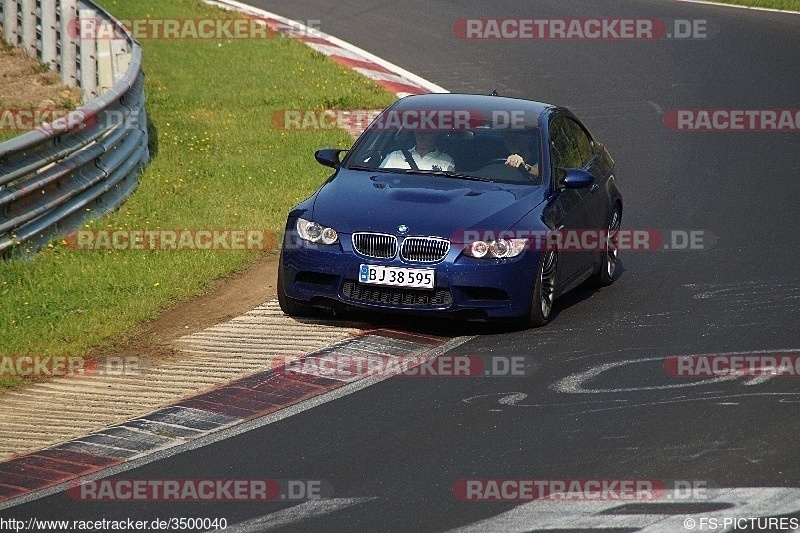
(577, 179)
(329, 157)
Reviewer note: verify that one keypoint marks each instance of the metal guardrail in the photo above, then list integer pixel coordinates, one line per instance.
(54, 178)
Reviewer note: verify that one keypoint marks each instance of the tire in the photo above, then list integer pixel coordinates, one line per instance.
(543, 295)
(608, 265)
(290, 306)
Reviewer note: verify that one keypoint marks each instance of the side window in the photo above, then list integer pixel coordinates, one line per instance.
(583, 143)
(564, 147)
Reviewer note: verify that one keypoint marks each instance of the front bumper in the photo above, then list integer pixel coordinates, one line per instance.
(465, 287)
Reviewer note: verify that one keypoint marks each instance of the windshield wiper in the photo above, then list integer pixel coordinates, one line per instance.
(369, 169)
(448, 174)
(444, 173)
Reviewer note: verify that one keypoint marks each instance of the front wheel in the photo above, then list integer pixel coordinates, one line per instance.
(608, 266)
(544, 290)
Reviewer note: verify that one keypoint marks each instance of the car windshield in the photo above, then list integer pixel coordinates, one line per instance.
(477, 152)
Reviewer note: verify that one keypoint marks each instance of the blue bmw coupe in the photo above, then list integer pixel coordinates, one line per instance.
(470, 206)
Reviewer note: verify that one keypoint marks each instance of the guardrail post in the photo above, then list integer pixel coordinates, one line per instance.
(49, 33)
(105, 67)
(10, 22)
(69, 48)
(121, 57)
(88, 39)
(29, 28)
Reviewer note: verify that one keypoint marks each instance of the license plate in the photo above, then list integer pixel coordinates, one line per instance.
(416, 278)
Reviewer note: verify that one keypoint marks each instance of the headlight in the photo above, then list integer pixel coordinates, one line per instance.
(316, 233)
(498, 249)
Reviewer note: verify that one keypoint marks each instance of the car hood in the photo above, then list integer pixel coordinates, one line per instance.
(427, 205)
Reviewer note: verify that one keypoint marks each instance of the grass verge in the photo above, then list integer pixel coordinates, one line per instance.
(786, 5)
(220, 164)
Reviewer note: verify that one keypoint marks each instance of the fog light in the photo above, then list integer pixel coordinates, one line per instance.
(329, 236)
(478, 249)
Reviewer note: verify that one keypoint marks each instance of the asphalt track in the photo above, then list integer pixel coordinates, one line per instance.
(393, 452)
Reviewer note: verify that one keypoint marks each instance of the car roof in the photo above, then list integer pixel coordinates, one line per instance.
(480, 103)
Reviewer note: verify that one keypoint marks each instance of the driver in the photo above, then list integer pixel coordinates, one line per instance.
(424, 153)
(518, 143)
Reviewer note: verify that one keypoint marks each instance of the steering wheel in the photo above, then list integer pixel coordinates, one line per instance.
(371, 157)
(502, 161)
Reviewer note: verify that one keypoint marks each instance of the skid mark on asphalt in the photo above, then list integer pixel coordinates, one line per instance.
(665, 515)
(729, 299)
(618, 109)
(295, 515)
(718, 306)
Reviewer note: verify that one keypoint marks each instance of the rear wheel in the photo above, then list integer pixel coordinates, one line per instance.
(289, 305)
(608, 266)
(544, 290)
